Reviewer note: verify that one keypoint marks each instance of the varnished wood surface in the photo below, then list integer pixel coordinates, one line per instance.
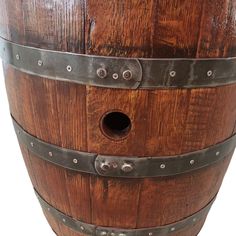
(125, 203)
(143, 28)
(164, 122)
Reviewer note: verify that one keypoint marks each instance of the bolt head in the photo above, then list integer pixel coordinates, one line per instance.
(217, 153)
(105, 166)
(103, 233)
(75, 161)
(127, 75)
(17, 57)
(102, 73)
(150, 234)
(50, 154)
(172, 229)
(31, 144)
(127, 167)
(82, 228)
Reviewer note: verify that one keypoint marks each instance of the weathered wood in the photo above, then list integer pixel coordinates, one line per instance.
(164, 122)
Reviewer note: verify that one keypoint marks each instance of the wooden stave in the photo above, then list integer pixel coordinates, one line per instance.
(202, 52)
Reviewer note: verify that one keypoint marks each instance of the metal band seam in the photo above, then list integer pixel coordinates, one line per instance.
(119, 72)
(126, 167)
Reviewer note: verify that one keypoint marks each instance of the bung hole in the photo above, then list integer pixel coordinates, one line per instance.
(116, 125)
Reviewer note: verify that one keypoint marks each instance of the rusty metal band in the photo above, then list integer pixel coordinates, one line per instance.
(127, 167)
(118, 72)
(89, 229)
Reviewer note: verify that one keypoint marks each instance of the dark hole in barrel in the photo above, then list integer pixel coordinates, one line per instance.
(116, 124)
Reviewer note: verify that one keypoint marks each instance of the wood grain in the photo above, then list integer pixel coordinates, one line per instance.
(164, 122)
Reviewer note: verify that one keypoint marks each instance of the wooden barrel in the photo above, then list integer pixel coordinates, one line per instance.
(125, 111)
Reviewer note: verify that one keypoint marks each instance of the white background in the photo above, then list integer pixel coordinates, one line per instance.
(20, 213)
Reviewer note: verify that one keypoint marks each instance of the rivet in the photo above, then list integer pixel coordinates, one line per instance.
(75, 161)
(49, 209)
(127, 167)
(40, 63)
(32, 144)
(122, 234)
(105, 166)
(50, 154)
(172, 229)
(64, 220)
(173, 73)
(112, 234)
(127, 75)
(17, 57)
(209, 73)
(82, 228)
(102, 73)
(162, 166)
(218, 153)
(115, 76)
(150, 234)
(103, 233)
(69, 68)
(192, 162)
(195, 219)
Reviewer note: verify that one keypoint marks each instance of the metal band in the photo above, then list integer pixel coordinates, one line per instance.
(128, 167)
(89, 229)
(117, 72)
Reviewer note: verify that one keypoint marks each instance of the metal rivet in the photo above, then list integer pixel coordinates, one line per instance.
(102, 73)
(112, 234)
(195, 219)
(172, 229)
(40, 63)
(218, 153)
(173, 73)
(82, 228)
(115, 76)
(49, 209)
(122, 234)
(64, 220)
(150, 234)
(192, 162)
(69, 68)
(127, 75)
(105, 166)
(162, 166)
(75, 161)
(209, 73)
(127, 167)
(17, 57)
(103, 233)
(50, 154)
(32, 144)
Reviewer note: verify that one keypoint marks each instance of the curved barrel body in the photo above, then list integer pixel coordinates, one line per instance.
(125, 111)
